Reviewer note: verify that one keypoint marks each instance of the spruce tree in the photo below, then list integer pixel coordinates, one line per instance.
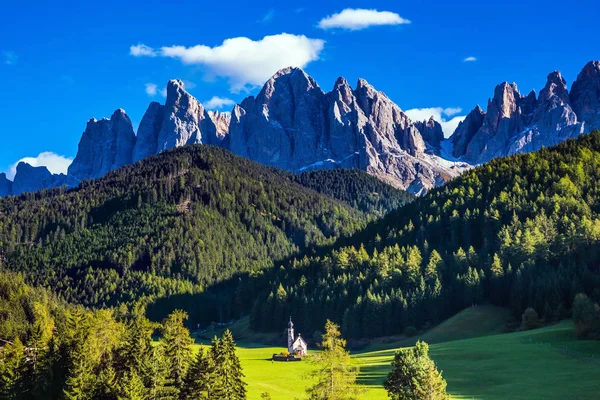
(200, 380)
(228, 382)
(131, 387)
(177, 345)
(11, 369)
(158, 379)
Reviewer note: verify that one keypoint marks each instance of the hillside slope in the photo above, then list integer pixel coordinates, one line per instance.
(173, 223)
(522, 231)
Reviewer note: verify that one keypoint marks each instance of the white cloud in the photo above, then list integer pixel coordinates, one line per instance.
(448, 127)
(55, 163)
(142, 50)
(470, 59)
(358, 18)
(450, 111)
(245, 62)
(10, 57)
(189, 85)
(217, 102)
(268, 17)
(151, 89)
(440, 114)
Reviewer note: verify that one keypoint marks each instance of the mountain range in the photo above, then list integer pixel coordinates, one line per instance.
(294, 125)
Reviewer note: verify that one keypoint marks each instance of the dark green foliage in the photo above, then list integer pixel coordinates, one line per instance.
(519, 232)
(229, 384)
(173, 224)
(357, 188)
(586, 317)
(530, 319)
(71, 353)
(414, 376)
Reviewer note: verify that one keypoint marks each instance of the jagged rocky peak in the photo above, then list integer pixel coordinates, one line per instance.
(515, 124)
(221, 121)
(293, 124)
(347, 124)
(32, 179)
(284, 125)
(431, 131)
(148, 131)
(105, 145)
(504, 102)
(585, 95)
(391, 126)
(185, 120)
(5, 185)
(465, 131)
(556, 87)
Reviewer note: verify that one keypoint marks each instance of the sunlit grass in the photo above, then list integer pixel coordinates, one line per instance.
(547, 363)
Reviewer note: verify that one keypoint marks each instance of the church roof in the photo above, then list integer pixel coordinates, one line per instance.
(301, 341)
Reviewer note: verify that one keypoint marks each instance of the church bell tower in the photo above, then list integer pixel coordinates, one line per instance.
(290, 334)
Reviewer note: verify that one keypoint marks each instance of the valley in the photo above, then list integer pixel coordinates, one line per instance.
(478, 362)
(284, 201)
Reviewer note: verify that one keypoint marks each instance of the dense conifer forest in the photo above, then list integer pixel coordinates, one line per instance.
(59, 351)
(222, 237)
(178, 223)
(519, 232)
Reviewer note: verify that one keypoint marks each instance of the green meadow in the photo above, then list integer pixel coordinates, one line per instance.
(478, 360)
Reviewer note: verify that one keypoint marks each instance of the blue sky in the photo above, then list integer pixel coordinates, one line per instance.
(62, 63)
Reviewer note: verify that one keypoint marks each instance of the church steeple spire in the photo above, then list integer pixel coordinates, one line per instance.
(290, 338)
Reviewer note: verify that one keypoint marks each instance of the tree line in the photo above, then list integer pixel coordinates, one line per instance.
(519, 232)
(178, 223)
(51, 350)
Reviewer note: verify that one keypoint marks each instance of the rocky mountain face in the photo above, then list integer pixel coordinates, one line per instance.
(585, 95)
(32, 179)
(432, 132)
(105, 145)
(185, 120)
(147, 137)
(293, 124)
(221, 121)
(5, 185)
(514, 123)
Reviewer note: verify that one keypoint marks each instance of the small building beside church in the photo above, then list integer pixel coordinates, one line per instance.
(296, 346)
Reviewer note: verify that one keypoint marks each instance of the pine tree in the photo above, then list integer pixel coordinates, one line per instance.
(200, 380)
(335, 373)
(136, 349)
(131, 387)
(11, 368)
(177, 345)
(160, 385)
(229, 369)
(414, 376)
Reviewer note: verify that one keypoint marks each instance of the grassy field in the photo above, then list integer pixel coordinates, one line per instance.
(546, 363)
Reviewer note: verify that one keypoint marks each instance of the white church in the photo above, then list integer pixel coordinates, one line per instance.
(298, 345)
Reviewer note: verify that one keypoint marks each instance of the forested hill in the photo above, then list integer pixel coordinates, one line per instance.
(522, 231)
(357, 188)
(175, 223)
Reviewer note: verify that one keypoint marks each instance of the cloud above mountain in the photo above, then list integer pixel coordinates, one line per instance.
(357, 18)
(55, 163)
(217, 102)
(244, 62)
(445, 116)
